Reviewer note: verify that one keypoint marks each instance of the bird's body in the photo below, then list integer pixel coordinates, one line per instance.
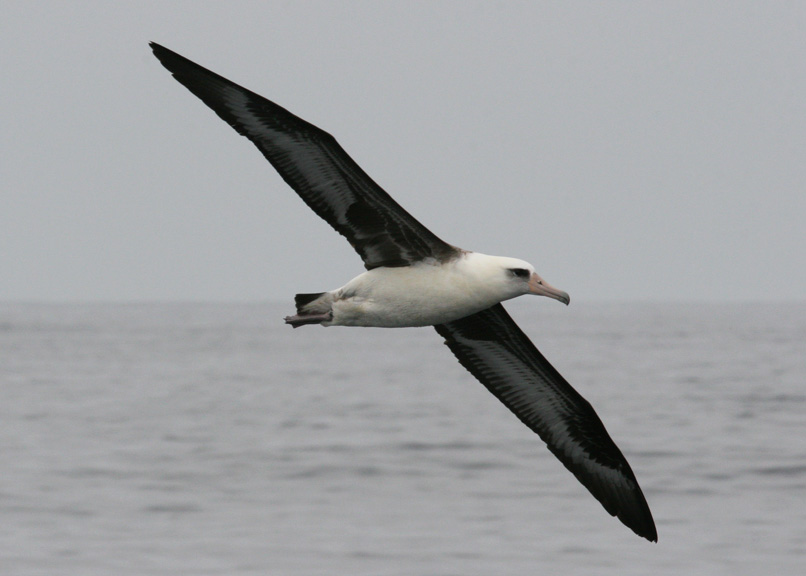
(414, 278)
(423, 294)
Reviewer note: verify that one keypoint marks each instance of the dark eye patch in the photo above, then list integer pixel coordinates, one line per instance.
(520, 272)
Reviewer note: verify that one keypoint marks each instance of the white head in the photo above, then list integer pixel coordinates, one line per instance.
(512, 277)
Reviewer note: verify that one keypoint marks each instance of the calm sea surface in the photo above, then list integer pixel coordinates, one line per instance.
(212, 439)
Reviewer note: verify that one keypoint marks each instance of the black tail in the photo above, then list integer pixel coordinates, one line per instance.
(300, 300)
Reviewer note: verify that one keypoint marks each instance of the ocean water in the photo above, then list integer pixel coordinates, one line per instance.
(211, 439)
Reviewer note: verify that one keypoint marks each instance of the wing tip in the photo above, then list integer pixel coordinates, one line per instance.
(634, 513)
(629, 506)
(643, 527)
(167, 57)
(159, 50)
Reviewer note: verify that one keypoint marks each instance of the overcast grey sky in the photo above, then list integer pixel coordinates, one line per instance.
(652, 150)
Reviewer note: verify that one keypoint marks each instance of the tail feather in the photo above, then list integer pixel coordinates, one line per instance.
(302, 300)
(311, 309)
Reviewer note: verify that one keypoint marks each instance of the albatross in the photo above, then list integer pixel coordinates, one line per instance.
(413, 278)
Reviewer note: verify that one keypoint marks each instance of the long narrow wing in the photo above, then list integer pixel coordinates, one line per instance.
(317, 168)
(492, 347)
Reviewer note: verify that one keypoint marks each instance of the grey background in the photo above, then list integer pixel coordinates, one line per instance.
(628, 150)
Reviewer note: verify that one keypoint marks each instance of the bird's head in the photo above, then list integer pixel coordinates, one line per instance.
(520, 278)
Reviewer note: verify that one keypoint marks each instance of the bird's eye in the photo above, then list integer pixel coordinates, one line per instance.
(520, 272)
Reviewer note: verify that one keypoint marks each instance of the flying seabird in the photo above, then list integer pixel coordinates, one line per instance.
(413, 278)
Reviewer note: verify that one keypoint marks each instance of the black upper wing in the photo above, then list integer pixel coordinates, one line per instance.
(317, 168)
(492, 347)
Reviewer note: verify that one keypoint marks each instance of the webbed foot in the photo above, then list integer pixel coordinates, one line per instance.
(298, 320)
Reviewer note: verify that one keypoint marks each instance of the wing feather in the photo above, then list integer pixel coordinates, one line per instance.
(317, 168)
(492, 347)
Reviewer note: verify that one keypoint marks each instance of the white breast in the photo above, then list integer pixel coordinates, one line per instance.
(423, 294)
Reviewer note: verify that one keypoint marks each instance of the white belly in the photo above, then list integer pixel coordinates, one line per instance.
(420, 295)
